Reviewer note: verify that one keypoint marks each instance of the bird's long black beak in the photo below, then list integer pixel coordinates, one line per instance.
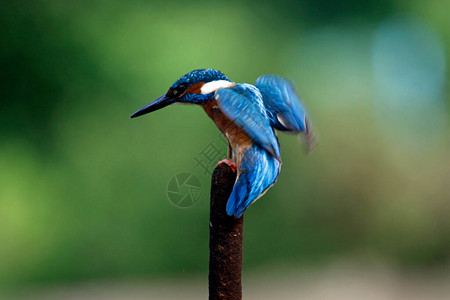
(159, 103)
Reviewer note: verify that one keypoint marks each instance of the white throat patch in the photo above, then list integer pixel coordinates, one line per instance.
(215, 85)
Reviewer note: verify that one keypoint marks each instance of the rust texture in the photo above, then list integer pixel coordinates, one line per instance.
(225, 239)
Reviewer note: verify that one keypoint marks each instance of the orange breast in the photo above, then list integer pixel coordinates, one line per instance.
(236, 136)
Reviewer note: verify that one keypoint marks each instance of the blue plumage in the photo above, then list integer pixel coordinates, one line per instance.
(259, 171)
(199, 75)
(247, 115)
(244, 105)
(280, 99)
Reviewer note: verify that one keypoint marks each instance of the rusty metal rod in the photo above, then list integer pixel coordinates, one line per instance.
(225, 239)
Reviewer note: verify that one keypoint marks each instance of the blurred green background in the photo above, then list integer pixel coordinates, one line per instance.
(83, 189)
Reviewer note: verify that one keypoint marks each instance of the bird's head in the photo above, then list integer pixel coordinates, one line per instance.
(195, 87)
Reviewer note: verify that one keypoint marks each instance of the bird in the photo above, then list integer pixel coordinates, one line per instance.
(249, 117)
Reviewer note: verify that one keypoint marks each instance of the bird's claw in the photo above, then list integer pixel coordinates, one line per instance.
(231, 164)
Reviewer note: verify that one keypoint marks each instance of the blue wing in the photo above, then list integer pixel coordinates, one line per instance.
(259, 171)
(244, 105)
(287, 112)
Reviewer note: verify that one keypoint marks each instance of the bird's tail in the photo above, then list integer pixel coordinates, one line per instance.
(257, 173)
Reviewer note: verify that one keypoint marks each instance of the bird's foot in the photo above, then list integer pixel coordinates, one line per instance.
(231, 164)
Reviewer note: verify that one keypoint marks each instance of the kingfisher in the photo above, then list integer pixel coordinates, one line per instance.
(248, 116)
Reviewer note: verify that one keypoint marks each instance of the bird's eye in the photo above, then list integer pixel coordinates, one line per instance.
(179, 90)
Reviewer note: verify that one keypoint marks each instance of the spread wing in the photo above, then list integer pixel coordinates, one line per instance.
(285, 109)
(280, 99)
(244, 105)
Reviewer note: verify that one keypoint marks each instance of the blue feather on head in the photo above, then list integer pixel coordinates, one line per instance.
(199, 75)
